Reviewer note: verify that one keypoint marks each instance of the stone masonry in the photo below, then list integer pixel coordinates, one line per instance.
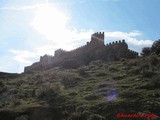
(93, 50)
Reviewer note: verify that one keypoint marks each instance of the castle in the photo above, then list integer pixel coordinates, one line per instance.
(93, 50)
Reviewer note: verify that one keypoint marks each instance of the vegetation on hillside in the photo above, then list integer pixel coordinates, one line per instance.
(154, 49)
(95, 92)
(98, 91)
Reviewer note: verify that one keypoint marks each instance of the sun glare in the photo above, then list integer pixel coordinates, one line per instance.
(49, 21)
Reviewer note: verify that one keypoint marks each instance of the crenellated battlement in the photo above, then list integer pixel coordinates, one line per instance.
(132, 53)
(46, 59)
(59, 52)
(97, 38)
(93, 50)
(116, 43)
(97, 35)
(81, 47)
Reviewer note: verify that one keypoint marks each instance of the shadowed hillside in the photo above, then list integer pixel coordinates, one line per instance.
(98, 91)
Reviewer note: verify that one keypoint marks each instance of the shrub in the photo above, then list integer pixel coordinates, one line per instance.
(82, 71)
(123, 59)
(1, 84)
(73, 93)
(96, 117)
(148, 73)
(48, 91)
(81, 108)
(146, 51)
(96, 62)
(101, 74)
(15, 101)
(155, 81)
(91, 97)
(113, 69)
(156, 47)
(134, 71)
(130, 94)
(65, 114)
(2, 87)
(70, 81)
(102, 85)
(154, 60)
(89, 88)
(78, 116)
(144, 65)
(132, 63)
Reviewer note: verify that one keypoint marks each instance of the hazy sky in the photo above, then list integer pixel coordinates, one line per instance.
(31, 28)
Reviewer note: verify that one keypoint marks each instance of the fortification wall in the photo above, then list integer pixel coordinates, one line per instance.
(116, 50)
(93, 50)
(61, 54)
(117, 44)
(132, 54)
(46, 59)
(34, 67)
(97, 39)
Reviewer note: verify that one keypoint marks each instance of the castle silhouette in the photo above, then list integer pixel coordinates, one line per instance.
(93, 50)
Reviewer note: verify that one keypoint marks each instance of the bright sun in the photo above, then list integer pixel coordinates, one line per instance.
(49, 21)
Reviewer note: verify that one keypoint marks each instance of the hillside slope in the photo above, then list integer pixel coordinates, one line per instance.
(98, 91)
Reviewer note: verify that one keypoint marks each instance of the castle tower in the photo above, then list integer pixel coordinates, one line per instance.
(97, 39)
(59, 52)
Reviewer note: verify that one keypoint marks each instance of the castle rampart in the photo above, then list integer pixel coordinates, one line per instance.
(132, 54)
(117, 45)
(93, 50)
(97, 39)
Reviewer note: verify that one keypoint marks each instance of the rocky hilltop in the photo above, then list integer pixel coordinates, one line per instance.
(93, 50)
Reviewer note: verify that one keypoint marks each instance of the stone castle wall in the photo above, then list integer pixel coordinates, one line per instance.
(93, 50)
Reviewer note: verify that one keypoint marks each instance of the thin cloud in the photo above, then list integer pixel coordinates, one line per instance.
(130, 37)
(18, 8)
(22, 56)
(26, 56)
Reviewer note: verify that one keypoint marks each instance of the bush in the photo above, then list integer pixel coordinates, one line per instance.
(148, 73)
(135, 71)
(132, 63)
(82, 71)
(123, 59)
(15, 101)
(96, 117)
(1, 84)
(91, 97)
(144, 65)
(113, 69)
(146, 51)
(154, 60)
(102, 73)
(48, 91)
(78, 116)
(130, 94)
(155, 82)
(69, 81)
(2, 87)
(156, 47)
(82, 108)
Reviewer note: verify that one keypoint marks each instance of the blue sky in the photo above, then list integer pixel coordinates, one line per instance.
(29, 29)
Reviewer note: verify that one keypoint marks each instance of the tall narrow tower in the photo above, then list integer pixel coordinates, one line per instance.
(98, 39)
